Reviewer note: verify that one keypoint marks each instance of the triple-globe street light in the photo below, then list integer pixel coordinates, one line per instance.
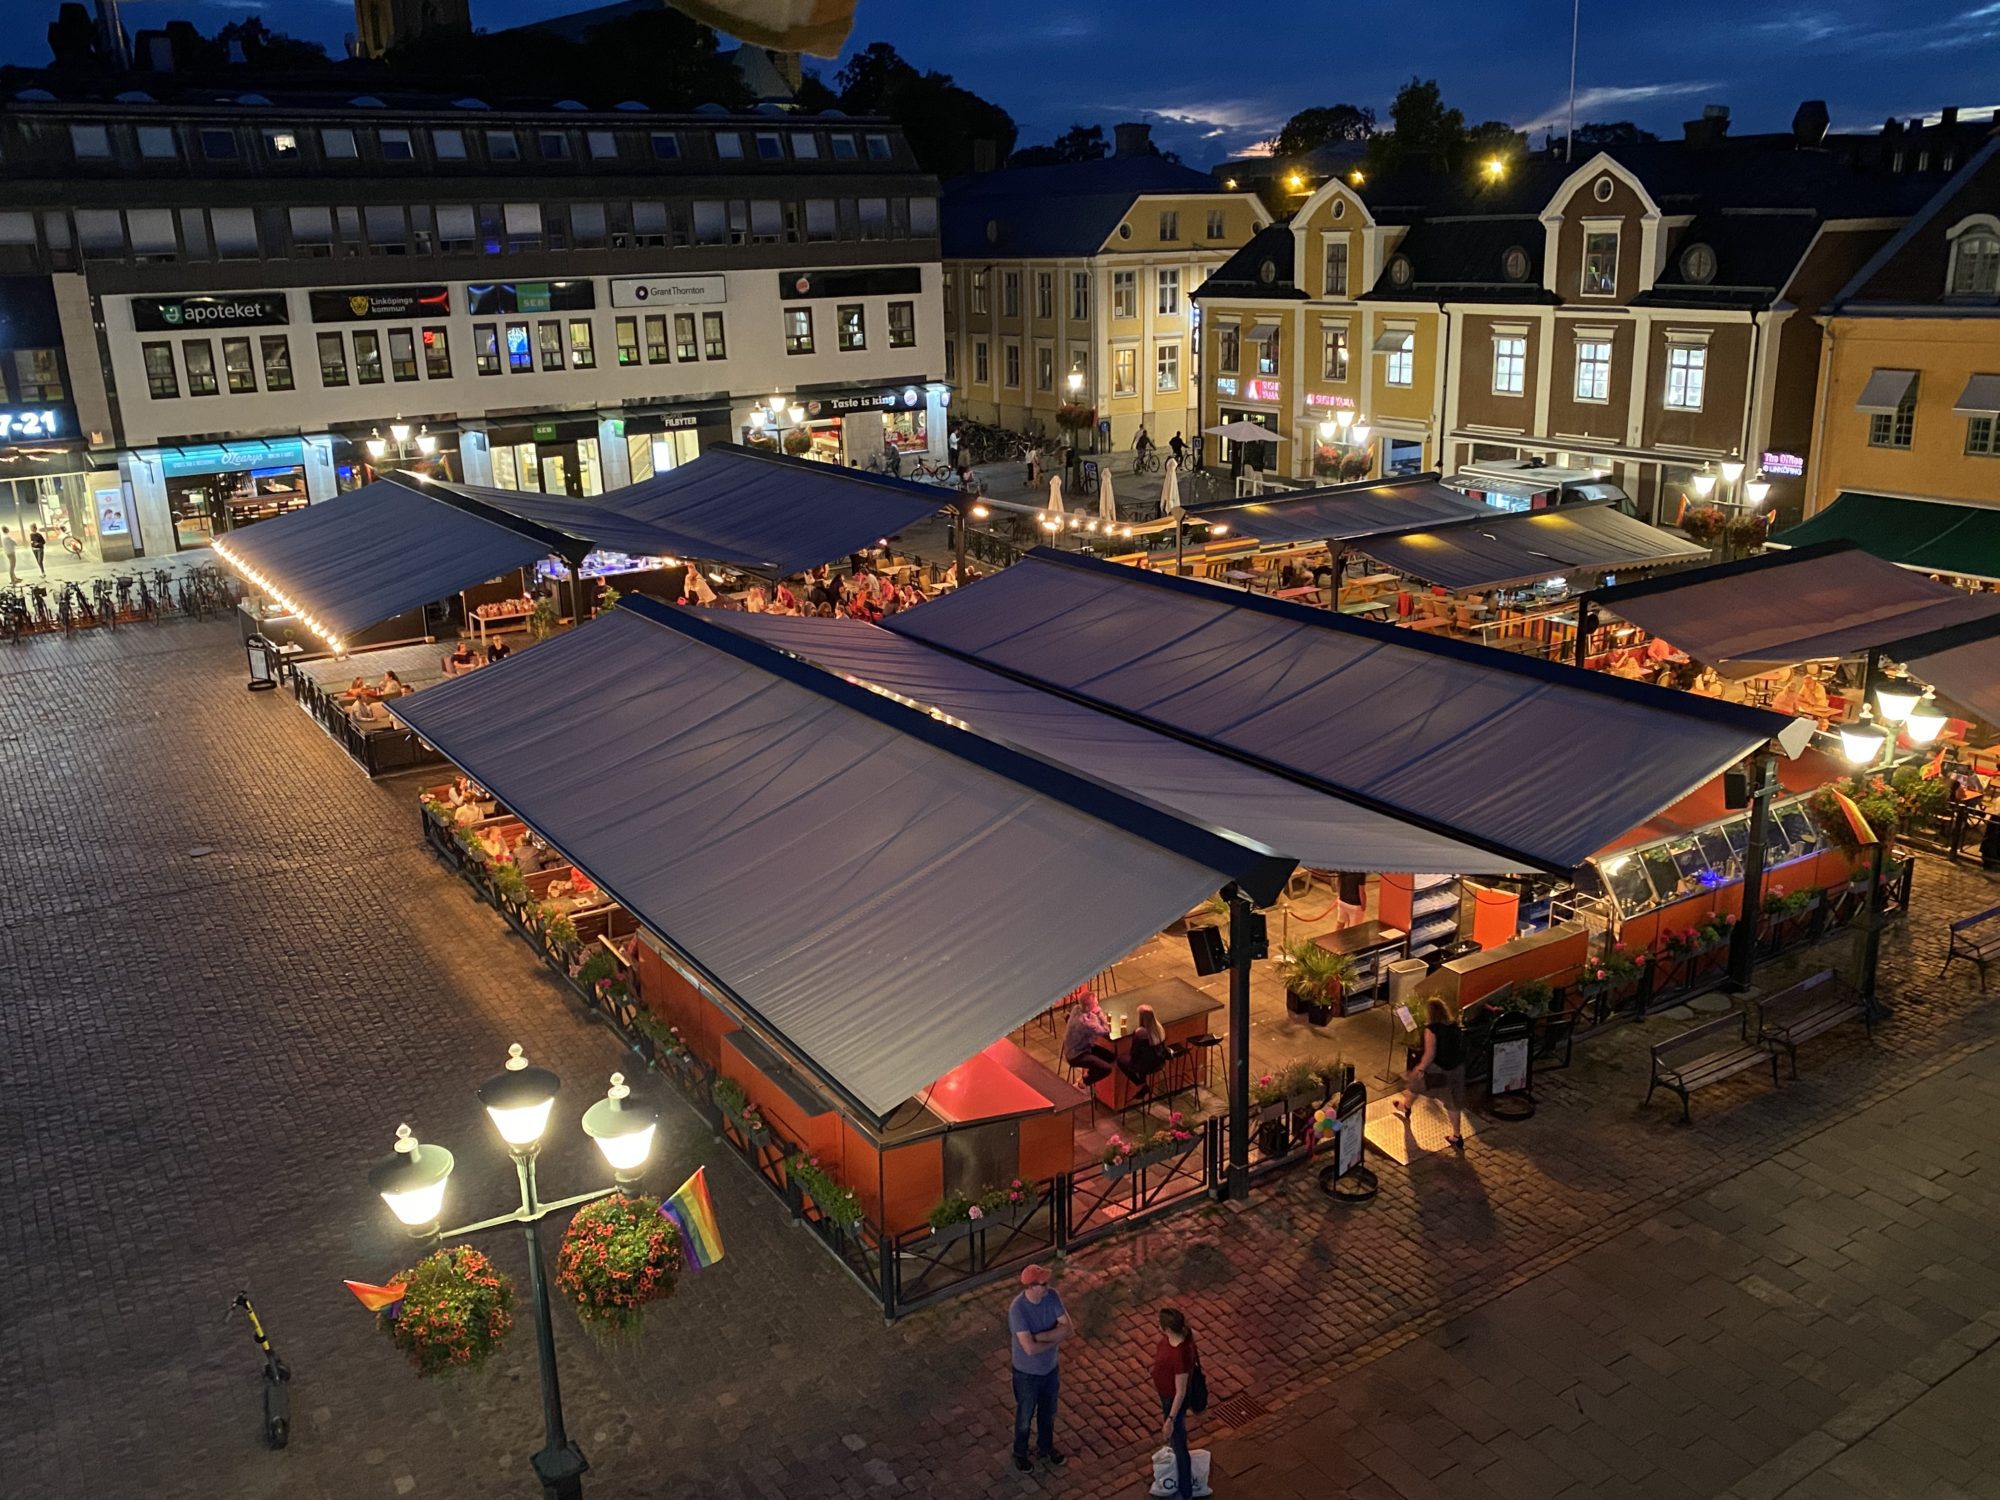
(518, 1100)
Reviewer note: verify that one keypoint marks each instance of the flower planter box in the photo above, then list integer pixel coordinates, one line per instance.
(757, 1136)
(1172, 1151)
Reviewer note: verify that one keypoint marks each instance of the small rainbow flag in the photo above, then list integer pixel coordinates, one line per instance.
(378, 1298)
(693, 1214)
(1856, 820)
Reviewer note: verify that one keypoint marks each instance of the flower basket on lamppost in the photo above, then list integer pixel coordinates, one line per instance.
(454, 1306)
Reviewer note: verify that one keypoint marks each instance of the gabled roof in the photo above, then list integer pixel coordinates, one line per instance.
(1242, 274)
(1465, 258)
(1070, 208)
(1911, 267)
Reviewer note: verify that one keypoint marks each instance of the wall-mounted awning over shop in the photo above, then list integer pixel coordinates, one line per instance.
(1980, 398)
(1527, 759)
(372, 553)
(1804, 604)
(1203, 785)
(1935, 536)
(1503, 550)
(884, 890)
(1345, 512)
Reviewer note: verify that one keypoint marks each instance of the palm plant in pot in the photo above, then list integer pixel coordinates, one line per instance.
(1314, 980)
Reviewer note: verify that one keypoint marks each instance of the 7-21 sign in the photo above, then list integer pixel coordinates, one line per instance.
(24, 424)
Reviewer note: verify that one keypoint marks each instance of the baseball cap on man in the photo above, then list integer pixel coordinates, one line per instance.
(1034, 1276)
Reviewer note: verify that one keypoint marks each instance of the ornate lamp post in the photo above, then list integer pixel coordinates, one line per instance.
(518, 1100)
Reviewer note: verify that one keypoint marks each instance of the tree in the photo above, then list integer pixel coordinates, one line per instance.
(1422, 134)
(813, 96)
(943, 123)
(263, 47)
(1310, 129)
(1078, 143)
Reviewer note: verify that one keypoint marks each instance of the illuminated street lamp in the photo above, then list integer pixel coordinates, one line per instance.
(519, 1100)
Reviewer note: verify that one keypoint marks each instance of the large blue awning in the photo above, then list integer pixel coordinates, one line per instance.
(1203, 785)
(883, 890)
(1344, 512)
(365, 556)
(1507, 549)
(772, 514)
(1540, 762)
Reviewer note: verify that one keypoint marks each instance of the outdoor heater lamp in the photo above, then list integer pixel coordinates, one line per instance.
(519, 1099)
(411, 1181)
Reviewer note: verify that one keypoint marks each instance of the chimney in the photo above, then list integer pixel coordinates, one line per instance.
(1709, 129)
(1948, 117)
(1133, 138)
(985, 155)
(1809, 124)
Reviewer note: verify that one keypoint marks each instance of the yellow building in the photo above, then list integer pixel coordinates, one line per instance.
(1906, 461)
(1084, 268)
(1353, 386)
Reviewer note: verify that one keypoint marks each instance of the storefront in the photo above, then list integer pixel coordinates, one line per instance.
(1258, 404)
(45, 474)
(660, 441)
(564, 457)
(185, 497)
(848, 426)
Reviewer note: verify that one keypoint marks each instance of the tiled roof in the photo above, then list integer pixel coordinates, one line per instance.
(1460, 258)
(1067, 209)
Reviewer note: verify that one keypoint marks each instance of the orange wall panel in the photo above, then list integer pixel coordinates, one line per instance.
(912, 1183)
(1048, 1145)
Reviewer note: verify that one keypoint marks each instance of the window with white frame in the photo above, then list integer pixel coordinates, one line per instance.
(1333, 351)
(1600, 262)
(1170, 225)
(1170, 294)
(981, 370)
(1045, 368)
(1895, 429)
(1400, 365)
(1124, 294)
(979, 296)
(1125, 372)
(1079, 296)
(1687, 374)
(1336, 266)
(1593, 369)
(1010, 294)
(1216, 224)
(1267, 350)
(1010, 366)
(1167, 367)
(1980, 437)
(1975, 260)
(1227, 348)
(1045, 294)
(1510, 365)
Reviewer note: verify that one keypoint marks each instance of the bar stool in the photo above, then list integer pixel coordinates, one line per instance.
(1203, 1047)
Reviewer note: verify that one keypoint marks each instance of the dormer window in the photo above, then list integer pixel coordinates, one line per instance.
(1975, 259)
(1600, 263)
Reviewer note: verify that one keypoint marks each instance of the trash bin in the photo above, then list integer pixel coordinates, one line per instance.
(1405, 974)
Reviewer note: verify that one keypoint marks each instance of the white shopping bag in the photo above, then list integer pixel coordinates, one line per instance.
(1166, 1482)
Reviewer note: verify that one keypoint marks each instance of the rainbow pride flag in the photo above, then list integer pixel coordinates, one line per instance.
(694, 1215)
(378, 1298)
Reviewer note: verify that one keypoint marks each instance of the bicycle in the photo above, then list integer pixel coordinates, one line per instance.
(104, 603)
(277, 1379)
(1147, 462)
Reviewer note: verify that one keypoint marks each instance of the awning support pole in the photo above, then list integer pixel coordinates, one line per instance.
(1871, 672)
(1586, 626)
(1338, 551)
(1240, 914)
(1871, 929)
(1743, 941)
(576, 592)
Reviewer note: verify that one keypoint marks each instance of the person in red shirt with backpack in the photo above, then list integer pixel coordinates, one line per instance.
(1182, 1388)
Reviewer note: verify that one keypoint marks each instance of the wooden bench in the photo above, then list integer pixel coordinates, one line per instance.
(1977, 947)
(1808, 1008)
(1707, 1054)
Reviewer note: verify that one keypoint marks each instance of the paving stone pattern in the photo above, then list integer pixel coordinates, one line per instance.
(231, 970)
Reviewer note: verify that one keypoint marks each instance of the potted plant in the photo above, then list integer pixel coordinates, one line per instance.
(1705, 524)
(833, 1201)
(617, 1255)
(735, 1104)
(1176, 1138)
(954, 1216)
(1314, 979)
(509, 884)
(1531, 999)
(455, 1310)
(1012, 1203)
(1334, 1077)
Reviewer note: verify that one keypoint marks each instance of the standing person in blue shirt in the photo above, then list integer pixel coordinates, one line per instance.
(1039, 1324)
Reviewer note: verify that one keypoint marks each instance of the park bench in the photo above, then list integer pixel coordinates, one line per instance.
(1976, 939)
(1707, 1054)
(1808, 1008)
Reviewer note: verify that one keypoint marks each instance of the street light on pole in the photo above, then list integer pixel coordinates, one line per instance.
(1075, 383)
(519, 1100)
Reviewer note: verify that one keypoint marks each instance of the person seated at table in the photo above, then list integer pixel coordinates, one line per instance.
(493, 844)
(1628, 667)
(356, 691)
(369, 711)
(1087, 1041)
(461, 660)
(497, 650)
(1146, 1048)
(786, 602)
(1812, 698)
(530, 856)
(1708, 684)
(391, 686)
(462, 791)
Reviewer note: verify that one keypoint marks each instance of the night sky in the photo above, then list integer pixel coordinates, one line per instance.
(1216, 79)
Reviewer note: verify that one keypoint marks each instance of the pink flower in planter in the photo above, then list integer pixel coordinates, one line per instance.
(975, 1212)
(1600, 973)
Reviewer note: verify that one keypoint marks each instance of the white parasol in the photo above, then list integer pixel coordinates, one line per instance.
(1107, 503)
(1055, 495)
(1244, 432)
(1170, 490)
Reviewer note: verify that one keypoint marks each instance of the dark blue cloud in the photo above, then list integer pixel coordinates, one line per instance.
(1215, 79)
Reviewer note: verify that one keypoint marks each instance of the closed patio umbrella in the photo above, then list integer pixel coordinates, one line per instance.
(1170, 490)
(1107, 503)
(1055, 494)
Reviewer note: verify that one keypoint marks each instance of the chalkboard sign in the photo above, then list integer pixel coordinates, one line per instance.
(1347, 1180)
(1510, 1074)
